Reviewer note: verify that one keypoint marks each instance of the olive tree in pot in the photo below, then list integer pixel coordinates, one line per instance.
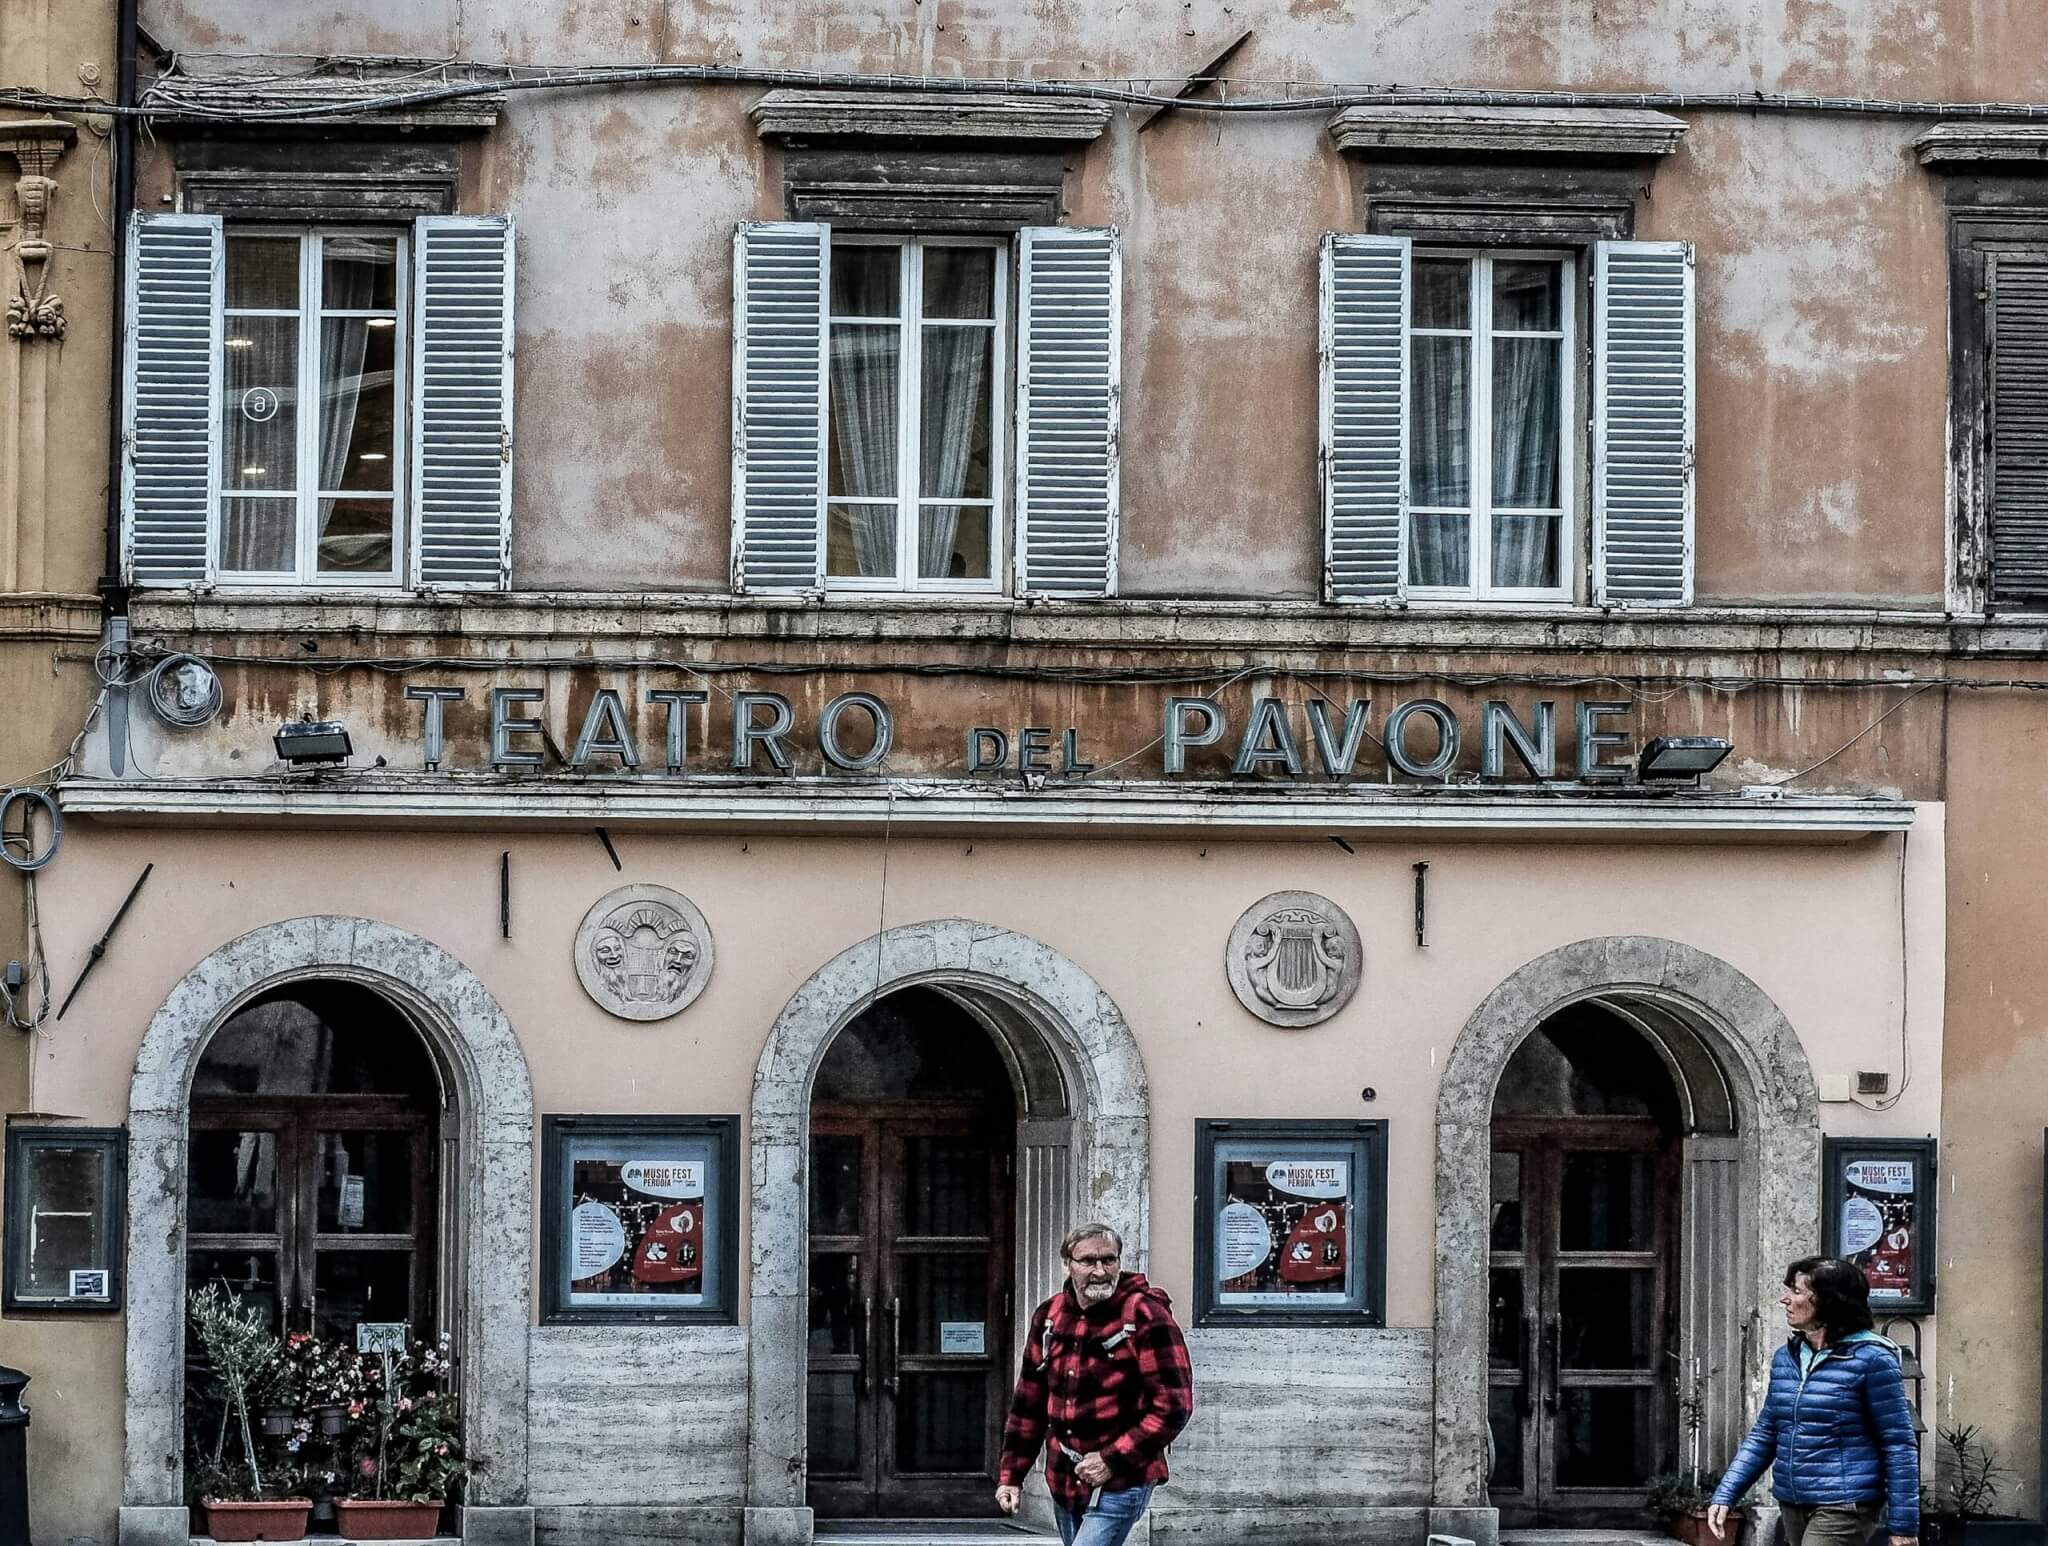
(1681, 1499)
(245, 1365)
(1967, 1479)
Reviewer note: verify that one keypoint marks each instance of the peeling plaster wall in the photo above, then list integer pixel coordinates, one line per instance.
(1995, 1070)
(1822, 271)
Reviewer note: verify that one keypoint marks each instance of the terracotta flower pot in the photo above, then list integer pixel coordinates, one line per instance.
(272, 1519)
(1691, 1527)
(386, 1519)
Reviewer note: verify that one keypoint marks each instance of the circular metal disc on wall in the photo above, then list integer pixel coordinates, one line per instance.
(643, 952)
(1294, 958)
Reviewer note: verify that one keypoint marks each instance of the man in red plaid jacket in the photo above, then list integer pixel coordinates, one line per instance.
(1105, 1386)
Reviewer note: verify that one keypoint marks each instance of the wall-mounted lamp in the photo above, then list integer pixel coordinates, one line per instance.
(312, 740)
(1682, 756)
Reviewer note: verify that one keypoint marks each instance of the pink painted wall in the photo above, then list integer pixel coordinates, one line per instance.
(1818, 928)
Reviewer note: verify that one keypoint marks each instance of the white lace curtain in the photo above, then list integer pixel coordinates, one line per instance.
(865, 386)
(1525, 448)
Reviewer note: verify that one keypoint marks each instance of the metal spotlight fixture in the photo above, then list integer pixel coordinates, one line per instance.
(1682, 756)
(312, 741)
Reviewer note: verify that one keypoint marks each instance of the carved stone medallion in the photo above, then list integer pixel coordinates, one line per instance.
(643, 952)
(1294, 958)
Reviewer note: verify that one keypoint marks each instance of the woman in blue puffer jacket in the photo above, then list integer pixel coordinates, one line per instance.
(1836, 1423)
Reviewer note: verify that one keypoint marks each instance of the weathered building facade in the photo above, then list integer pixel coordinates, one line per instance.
(56, 377)
(933, 661)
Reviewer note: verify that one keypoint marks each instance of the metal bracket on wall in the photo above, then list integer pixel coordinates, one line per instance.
(99, 949)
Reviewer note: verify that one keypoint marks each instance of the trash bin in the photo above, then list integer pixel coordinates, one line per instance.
(13, 1458)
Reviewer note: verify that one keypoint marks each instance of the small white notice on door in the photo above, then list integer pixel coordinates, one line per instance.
(962, 1337)
(350, 1213)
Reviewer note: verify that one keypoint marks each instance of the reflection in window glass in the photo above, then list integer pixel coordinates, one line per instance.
(310, 392)
(1487, 352)
(641, 1230)
(913, 418)
(66, 1218)
(1286, 1231)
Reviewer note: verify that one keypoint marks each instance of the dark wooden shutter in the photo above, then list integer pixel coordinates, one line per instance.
(2018, 429)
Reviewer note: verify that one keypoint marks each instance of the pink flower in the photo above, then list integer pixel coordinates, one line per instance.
(440, 1449)
(405, 1403)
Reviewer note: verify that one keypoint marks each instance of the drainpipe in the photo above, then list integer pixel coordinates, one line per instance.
(113, 592)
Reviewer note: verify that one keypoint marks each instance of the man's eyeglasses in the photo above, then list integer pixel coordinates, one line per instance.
(1094, 1261)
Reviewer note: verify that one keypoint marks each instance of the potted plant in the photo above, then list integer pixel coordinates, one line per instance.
(1680, 1500)
(245, 1365)
(403, 1482)
(1968, 1477)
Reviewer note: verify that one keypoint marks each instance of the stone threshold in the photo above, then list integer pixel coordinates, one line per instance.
(350, 1540)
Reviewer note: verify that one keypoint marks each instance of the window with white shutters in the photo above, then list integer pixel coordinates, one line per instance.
(872, 411)
(322, 406)
(1452, 430)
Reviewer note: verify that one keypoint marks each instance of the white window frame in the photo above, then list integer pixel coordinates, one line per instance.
(1479, 427)
(910, 322)
(310, 314)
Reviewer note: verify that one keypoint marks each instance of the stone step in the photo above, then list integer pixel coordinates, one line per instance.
(927, 1532)
(1583, 1538)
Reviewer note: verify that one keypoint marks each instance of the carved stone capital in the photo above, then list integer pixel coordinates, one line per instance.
(35, 144)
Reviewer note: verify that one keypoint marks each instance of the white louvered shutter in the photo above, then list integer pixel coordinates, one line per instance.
(1642, 424)
(782, 280)
(170, 398)
(1363, 412)
(1069, 390)
(462, 402)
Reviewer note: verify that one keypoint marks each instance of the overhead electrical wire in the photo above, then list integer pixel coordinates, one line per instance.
(181, 94)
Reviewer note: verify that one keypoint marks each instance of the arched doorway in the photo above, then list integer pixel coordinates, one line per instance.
(1080, 1136)
(1583, 1234)
(1748, 1143)
(484, 1165)
(911, 1240)
(313, 1175)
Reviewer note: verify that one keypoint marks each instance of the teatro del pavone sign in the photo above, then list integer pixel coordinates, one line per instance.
(758, 732)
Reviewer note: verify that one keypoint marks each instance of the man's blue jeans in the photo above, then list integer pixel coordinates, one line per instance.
(1109, 1518)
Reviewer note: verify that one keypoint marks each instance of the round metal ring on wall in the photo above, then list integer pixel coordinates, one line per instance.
(643, 952)
(1294, 958)
(183, 691)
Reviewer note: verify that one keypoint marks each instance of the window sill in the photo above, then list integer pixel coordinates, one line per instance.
(697, 619)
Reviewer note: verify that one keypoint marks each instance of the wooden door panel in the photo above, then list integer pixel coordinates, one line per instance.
(905, 1409)
(1580, 1294)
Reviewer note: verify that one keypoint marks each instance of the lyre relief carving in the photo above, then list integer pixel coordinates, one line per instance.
(1294, 958)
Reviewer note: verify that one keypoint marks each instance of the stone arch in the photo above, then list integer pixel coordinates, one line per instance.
(1078, 1075)
(489, 1120)
(1728, 1045)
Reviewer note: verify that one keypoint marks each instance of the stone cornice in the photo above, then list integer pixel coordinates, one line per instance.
(792, 114)
(200, 100)
(1429, 130)
(621, 624)
(943, 807)
(47, 617)
(1976, 143)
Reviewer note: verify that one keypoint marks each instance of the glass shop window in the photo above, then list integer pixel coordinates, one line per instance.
(66, 1204)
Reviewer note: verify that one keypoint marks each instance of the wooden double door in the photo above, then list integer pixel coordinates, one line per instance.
(1583, 1317)
(320, 1209)
(910, 1254)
